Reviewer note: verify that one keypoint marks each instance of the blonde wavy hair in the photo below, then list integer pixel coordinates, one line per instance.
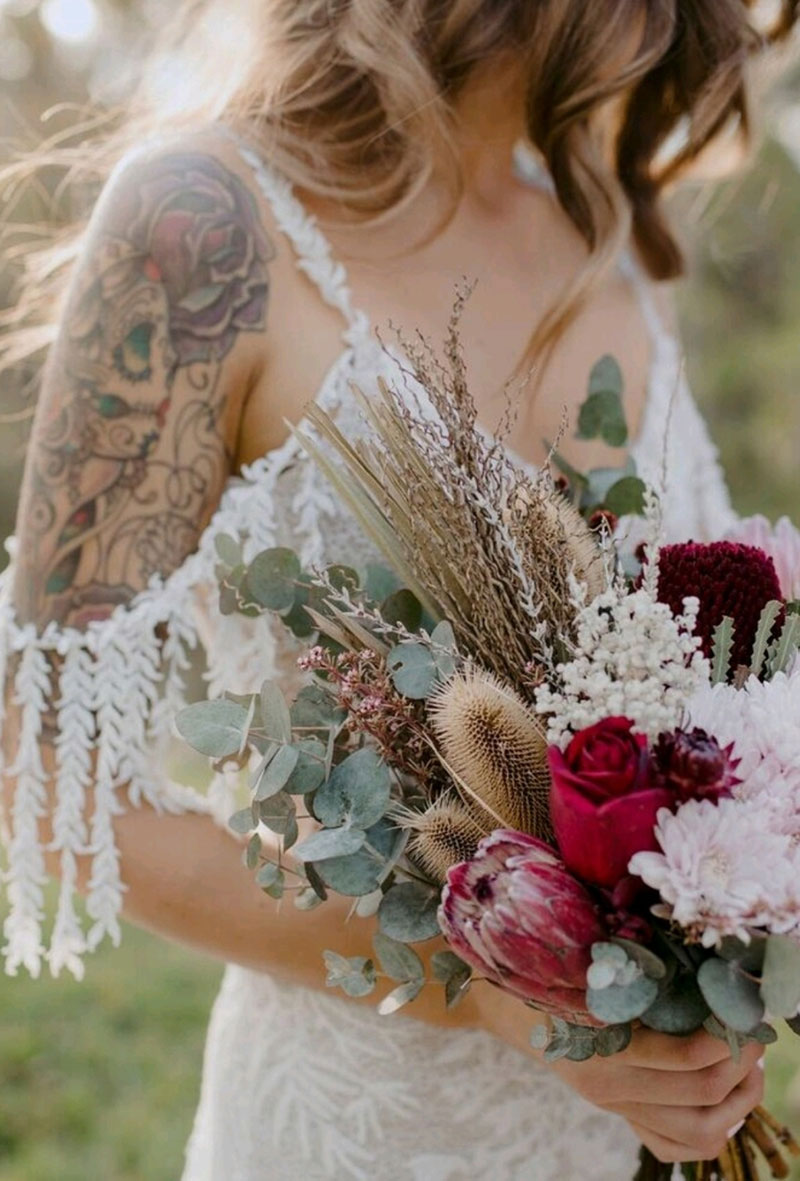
(354, 101)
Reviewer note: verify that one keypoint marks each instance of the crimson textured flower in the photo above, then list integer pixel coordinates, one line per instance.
(728, 579)
(519, 917)
(694, 765)
(604, 800)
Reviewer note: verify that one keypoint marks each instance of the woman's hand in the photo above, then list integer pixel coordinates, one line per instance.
(682, 1096)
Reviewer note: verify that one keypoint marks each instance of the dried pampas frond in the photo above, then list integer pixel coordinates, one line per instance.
(496, 750)
(482, 543)
(443, 835)
(549, 528)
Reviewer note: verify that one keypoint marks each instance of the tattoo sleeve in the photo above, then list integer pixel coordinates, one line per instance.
(128, 455)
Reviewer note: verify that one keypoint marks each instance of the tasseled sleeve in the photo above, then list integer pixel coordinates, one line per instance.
(109, 696)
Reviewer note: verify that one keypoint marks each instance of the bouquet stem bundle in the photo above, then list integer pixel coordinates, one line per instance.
(762, 1136)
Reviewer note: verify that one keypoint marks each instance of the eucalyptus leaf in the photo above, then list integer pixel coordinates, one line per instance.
(274, 713)
(626, 497)
(732, 996)
(214, 728)
(679, 1009)
(354, 974)
(397, 959)
(357, 793)
(582, 1044)
(749, 956)
(402, 607)
(315, 709)
(651, 964)
(613, 1039)
(253, 851)
(291, 833)
(242, 821)
(277, 813)
(380, 582)
(620, 1003)
(276, 773)
(330, 842)
(408, 913)
(307, 899)
(780, 979)
(271, 578)
(602, 416)
(228, 548)
(599, 480)
(606, 375)
(361, 873)
(309, 771)
(453, 973)
(400, 996)
(268, 875)
(413, 670)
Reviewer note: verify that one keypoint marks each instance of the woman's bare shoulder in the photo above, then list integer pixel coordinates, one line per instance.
(142, 392)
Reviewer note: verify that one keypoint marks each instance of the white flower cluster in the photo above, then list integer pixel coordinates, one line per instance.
(633, 658)
(723, 871)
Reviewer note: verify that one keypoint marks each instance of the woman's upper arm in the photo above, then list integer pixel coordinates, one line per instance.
(158, 341)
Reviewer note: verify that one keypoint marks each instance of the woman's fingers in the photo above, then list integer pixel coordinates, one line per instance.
(703, 1130)
(608, 1086)
(662, 1051)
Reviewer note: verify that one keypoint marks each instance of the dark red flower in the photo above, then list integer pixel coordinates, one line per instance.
(694, 765)
(604, 799)
(728, 579)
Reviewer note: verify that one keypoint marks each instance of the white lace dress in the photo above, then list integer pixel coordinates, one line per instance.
(298, 1084)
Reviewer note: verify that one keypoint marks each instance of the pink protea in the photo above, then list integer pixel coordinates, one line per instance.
(728, 579)
(781, 543)
(517, 915)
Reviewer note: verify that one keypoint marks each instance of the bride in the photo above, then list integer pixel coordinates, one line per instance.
(354, 161)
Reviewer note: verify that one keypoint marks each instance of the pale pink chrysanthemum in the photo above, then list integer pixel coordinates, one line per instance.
(781, 543)
(722, 870)
(762, 721)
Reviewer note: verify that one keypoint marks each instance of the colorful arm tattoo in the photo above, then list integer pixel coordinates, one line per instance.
(128, 456)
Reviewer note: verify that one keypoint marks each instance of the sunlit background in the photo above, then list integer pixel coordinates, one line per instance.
(98, 1081)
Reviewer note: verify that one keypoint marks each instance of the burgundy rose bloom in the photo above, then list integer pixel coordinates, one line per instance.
(517, 915)
(694, 765)
(198, 232)
(728, 579)
(604, 801)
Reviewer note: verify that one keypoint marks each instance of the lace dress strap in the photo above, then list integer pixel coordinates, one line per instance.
(312, 249)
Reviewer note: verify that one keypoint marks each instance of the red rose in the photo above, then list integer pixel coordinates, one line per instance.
(603, 801)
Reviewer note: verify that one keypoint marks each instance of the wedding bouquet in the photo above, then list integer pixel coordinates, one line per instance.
(581, 766)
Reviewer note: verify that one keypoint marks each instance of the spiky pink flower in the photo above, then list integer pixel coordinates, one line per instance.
(517, 915)
(694, 765)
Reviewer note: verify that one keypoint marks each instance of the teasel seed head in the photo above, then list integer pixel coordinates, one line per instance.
(554, 521)
(496, 749)
(441, 836)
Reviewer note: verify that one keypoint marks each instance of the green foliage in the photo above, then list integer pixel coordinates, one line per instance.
(602, 415)
(357, 793)
(413, 670)
(214, 728)
(721, 650)
(731, 994)
(355, 975)
(360, 873)
(408, 912)
(453, 973)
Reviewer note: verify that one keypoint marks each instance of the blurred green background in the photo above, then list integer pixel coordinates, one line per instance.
(99, 1080)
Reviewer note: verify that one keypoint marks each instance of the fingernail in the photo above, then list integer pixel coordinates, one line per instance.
(736, 1128)
(760, 1063)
